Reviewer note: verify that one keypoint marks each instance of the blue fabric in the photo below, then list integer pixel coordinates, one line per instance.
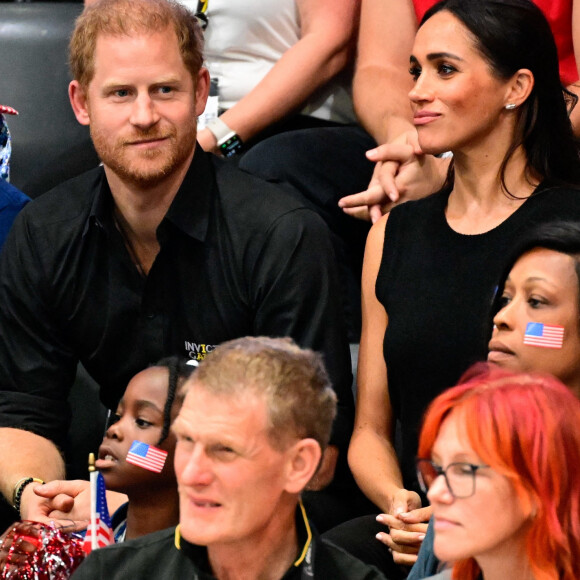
(5, 149)
(427, 563)
(119, 522)
(12, 200)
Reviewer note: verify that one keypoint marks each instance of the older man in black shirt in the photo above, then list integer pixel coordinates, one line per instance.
(163, 250)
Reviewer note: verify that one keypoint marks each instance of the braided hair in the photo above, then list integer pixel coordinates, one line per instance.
(179, 371)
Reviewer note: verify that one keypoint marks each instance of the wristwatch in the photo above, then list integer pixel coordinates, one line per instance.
(228, 141)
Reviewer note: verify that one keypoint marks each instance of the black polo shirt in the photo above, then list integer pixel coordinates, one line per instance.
(165, 554)
(237, 257)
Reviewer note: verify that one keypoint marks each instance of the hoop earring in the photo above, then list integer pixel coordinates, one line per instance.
(510, 106)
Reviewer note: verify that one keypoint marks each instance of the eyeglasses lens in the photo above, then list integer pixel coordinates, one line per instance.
(460, 477)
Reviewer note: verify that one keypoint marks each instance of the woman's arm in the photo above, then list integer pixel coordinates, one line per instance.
(325, 46)
(382, 81)
(575, 88)
(371, 455)
(381, 99)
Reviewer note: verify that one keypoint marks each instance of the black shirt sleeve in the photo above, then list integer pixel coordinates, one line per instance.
(37, 369)
(296, 293)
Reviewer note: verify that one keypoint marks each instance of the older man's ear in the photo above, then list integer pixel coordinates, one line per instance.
(303, 460)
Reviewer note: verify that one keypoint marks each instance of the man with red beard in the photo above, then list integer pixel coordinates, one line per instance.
(162, 250)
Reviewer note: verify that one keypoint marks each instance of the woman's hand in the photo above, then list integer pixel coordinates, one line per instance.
(402, 173)
(407, 526)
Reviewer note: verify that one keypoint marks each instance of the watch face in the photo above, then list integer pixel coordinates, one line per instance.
(231, 147)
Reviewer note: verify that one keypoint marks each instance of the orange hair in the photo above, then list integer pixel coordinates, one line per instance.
(526, 427)
(132, 17)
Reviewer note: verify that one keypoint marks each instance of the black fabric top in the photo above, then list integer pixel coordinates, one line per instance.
(437, 287)
(157, 556)
(238, 257)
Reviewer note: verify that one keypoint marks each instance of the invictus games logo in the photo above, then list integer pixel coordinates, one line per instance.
(197, 352)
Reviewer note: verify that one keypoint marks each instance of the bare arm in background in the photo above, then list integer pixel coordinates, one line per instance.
(575, 87)
(381, 86)
(328, 30)
(402, 172)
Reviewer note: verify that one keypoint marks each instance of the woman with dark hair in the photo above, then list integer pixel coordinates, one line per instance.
(497, 453)
(542, 126)
(487, 89)
(537, 322)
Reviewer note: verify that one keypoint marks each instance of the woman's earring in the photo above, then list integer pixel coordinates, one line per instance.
(510, 106)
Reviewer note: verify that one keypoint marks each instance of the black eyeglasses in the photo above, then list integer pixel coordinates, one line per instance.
(459, 476)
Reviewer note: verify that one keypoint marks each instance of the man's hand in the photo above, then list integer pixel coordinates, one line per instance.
(407, 523)
(402, 172)
(67, 503)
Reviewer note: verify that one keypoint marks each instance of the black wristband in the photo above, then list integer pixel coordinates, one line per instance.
(19, 490)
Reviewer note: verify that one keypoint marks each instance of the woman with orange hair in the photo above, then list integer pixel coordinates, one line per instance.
(498, 457)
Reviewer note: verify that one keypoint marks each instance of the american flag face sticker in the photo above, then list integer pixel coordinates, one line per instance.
(146, 456)
(544, 335)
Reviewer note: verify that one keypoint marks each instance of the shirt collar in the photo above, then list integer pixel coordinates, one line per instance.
(190, 209)
(101, 212)
(198, 554)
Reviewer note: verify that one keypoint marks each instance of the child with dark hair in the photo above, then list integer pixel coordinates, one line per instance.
(136, 456)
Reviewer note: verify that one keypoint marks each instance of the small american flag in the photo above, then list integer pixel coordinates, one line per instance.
(146, 456)
(99, 533)
(546, 335)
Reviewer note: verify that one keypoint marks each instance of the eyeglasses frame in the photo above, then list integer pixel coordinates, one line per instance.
(443, 471)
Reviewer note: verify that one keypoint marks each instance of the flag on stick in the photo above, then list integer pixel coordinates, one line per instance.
(100, 532)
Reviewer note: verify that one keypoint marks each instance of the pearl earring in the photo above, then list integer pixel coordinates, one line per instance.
(510, 106)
